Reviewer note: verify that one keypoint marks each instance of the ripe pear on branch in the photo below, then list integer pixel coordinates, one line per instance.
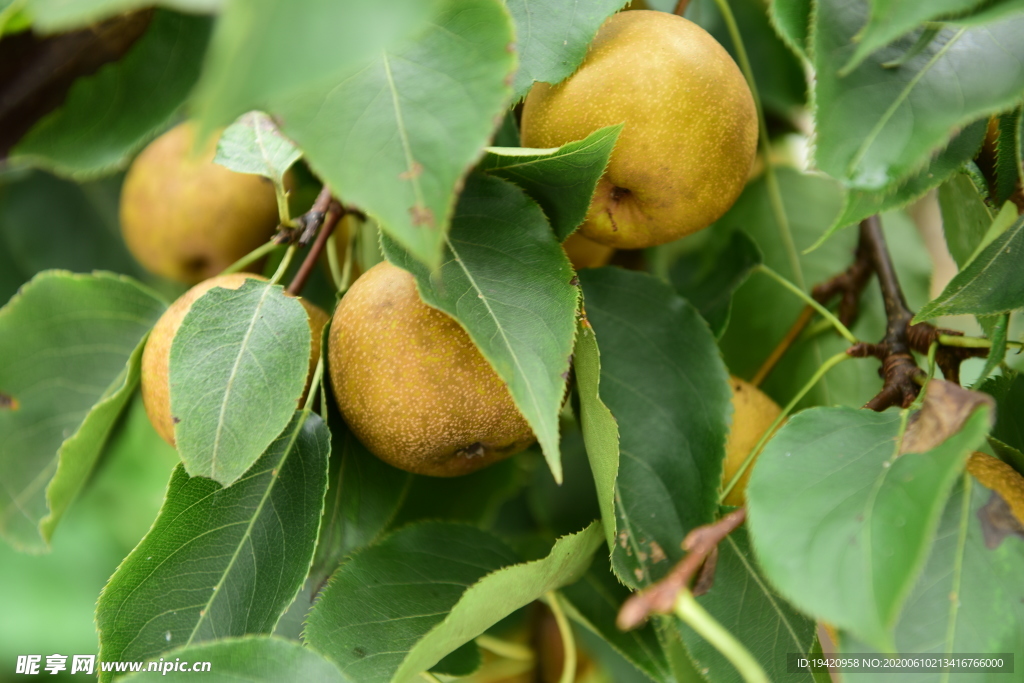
(690, 132)
(156, 358)
(186, 218)
(413, 386)
(753, 413)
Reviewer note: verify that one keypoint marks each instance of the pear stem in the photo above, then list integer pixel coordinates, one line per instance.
(681, 7)
(825, 367)
(254, 255)
(505, 648)
(809, 300)
(568, 640)
(696, 617)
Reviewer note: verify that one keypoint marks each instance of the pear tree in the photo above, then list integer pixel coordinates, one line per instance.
(493, 340)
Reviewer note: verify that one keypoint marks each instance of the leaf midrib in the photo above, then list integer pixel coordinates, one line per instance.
(869, 140)
(275, 475)
(231, 379)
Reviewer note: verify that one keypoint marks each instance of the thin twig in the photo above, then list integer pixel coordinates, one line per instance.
(902, 377)
(660, 598)
(334, 214)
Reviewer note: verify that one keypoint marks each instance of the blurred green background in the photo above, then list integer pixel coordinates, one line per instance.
(47, 601)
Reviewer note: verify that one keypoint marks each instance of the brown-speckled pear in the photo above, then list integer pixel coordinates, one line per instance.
(690, 131)
(752, 414)
(156, 359)
(996, 475)
(186, 218)
(412, 385)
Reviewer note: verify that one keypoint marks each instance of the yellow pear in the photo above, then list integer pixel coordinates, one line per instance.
(996, 475)
(156, 358)
(586, 253)
(690, 131)
(412, 385)
(752, 414)
(186, 218)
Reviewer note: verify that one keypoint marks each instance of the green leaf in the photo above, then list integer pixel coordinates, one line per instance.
(600, 431)
(1008, 154)
(552, 37)
(594, 603)
(860, 204)
(499, 594)
(842, 522)
(110, 115)
(991, 283)
(562, 181)
(879, 125)
(708, 278)
(996, 354)
(792, 20)
(560, 509)
(384, 600)
(267, 50)
(507, 281)
(394, 137)
(363, 497)
(82, 231)
(763, 311)
(743, 602)
(253, 659)
(890, 19)
(51, 16)
(253, 144)
(664, 381)
(474, 498)
(238, 367)
(969, 596)
(965, 216)
(68, 364)
(13, 16)
(1007, 437)
(987, 12)
(220, 561)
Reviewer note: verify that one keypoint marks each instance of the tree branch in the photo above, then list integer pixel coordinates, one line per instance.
(902, 378)
(319, 221)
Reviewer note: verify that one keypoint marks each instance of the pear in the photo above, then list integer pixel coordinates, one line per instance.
(586, 253)
(752, 415)
(689, 135)
(994, 474)
(413, 386)
(156, 358)
(186, 218)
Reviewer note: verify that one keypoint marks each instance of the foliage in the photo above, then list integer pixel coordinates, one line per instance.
(272, 543)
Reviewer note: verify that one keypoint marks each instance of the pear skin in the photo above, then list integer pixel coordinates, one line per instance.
(586, 253)
(156, 358)
(413, 386)
(752, 414)
(186, 218)
(689, 135)
(996, 475)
